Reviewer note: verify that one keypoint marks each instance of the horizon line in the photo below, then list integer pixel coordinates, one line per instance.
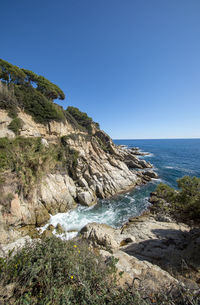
(158, 139)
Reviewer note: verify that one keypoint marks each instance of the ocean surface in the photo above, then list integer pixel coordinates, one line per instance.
(171, 159)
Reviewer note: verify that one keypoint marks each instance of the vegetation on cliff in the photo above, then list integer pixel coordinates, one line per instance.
(11, 74)
(82, 118)
(34, 94)
(29, 160)
(183, 204)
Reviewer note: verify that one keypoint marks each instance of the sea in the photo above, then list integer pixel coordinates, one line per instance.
(171, 159)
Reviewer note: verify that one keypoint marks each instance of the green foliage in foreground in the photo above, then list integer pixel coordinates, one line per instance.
(57, 272)
(184, 204)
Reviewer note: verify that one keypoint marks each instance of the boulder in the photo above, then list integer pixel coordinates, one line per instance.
(87, 198)
(150, 174)
(59, 229)
(104, 236)
(47, 233)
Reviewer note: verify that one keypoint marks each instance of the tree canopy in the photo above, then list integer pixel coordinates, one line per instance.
(13, 74)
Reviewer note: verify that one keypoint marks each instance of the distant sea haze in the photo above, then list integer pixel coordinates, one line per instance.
(171, 158)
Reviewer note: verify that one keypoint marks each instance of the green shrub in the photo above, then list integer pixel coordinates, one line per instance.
(15, 125)
(4, 154)
(82, 118)
(12, 112)
(57, 272)
(166, 192)
(184, 204)
(73, 121)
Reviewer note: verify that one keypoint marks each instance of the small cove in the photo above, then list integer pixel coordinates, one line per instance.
(171, 159)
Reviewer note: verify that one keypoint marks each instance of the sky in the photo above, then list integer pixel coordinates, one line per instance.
(132, 65)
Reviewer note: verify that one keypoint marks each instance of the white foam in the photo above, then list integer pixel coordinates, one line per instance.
(148, 154)
(111, 212)
(157, 180)
(66, 235)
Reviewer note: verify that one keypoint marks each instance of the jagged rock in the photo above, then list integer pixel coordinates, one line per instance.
(141, 274)
(104, 236)
(99, 191)
(146, 258)
(47, 234)
(15, 208)
(58, 193)
(86, 198)
(132, 164)
(150, 174)
(155, 241)
(50, 228)
(29, 230)
(99, 172)
(144, 164)
(59, 229)
(82, 182)
(42, 216)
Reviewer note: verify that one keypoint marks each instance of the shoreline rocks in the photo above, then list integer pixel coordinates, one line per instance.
(102, 170)
(160, 254)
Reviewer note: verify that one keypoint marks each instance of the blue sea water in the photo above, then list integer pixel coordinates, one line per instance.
(171, 158)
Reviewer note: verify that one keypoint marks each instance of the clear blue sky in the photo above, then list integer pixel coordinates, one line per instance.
(132, 65)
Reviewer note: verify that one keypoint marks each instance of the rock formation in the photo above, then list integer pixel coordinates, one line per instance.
(153, 255)
(102, 170)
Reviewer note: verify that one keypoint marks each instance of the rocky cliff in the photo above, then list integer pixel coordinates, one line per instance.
(75, 167)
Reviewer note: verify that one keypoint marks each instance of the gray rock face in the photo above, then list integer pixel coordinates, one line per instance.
(87, 198)
(141, 274)
(149, 250)
(150, 174)
(101, 172)
(57, 193)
